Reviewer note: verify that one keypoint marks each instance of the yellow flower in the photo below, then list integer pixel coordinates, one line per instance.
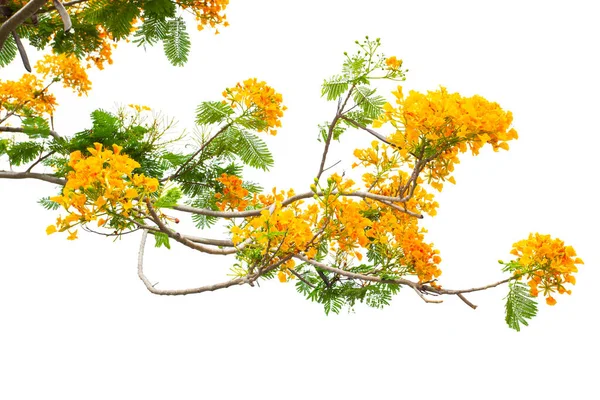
(281, 276)
(550, 301)
(50, 229)
(72, 235)
(393, 63)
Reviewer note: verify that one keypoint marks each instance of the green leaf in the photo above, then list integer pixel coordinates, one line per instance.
(48, 204)
(115, 15)
(212, 112)
(169, 199)
(371, 105)
(152, 30)
(335, 87)
(36, 127)
(520, 305)
(4, 144)
(8, 52)
(177, 42)
(164, 8)
(24, 152)
(161, 240)
(252, 150)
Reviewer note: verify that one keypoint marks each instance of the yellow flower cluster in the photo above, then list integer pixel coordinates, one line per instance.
(386, 178)
(345, 223)
(445, 124)
(99, 187)
(27, 91)
(207, 12)
(260, 100)
(393, 63)
(66, 68)
(234, 195)
(104, 54)
(547, 264)
(285, 230)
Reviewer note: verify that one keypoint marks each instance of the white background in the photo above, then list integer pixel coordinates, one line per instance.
(76, 322)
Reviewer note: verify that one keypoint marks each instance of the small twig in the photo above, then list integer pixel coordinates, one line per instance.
(333, 165)
(463, 298)
(338, 115)
(207, 288)
(183, 166)
(181, 239)
(425, 299)
(301, 278)
(372, 132)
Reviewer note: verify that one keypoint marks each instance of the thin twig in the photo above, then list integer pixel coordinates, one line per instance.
(207, 288)
(40, 159)
(183, 166)
(338, 115)
(372, 132)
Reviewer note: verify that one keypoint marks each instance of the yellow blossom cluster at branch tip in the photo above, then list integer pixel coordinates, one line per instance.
(393, 63)
(547, 264)
(207, 12)
(443, 125)
(234, 194)
(101, 187)
(66, 68)
(260, 100)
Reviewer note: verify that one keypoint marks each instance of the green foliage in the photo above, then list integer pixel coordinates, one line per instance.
(333, 88)
(115, 15)
(48, 204)
(520, 305)
(169, 199)
(8, 51)
(177, 42)
(36, 127)
(338, 292)
(23, 152)
(252, 150)
(338, 130)
(139, 142)
(365, 98)
(161, 239)
(153, 30)
(81, 40)
(212, 112)
(4, 145)
(205, 200)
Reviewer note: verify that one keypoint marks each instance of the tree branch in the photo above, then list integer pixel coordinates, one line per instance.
(419, 288)
(32, 175)
(338, 115)
(18, 18)
(207, 288)
(181, 239)
(372, 132)
(55, 135)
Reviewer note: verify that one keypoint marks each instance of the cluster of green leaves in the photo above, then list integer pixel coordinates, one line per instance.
(520, 304)
(23, 152)
(357, 100)
(162, 22)
(336, 292)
